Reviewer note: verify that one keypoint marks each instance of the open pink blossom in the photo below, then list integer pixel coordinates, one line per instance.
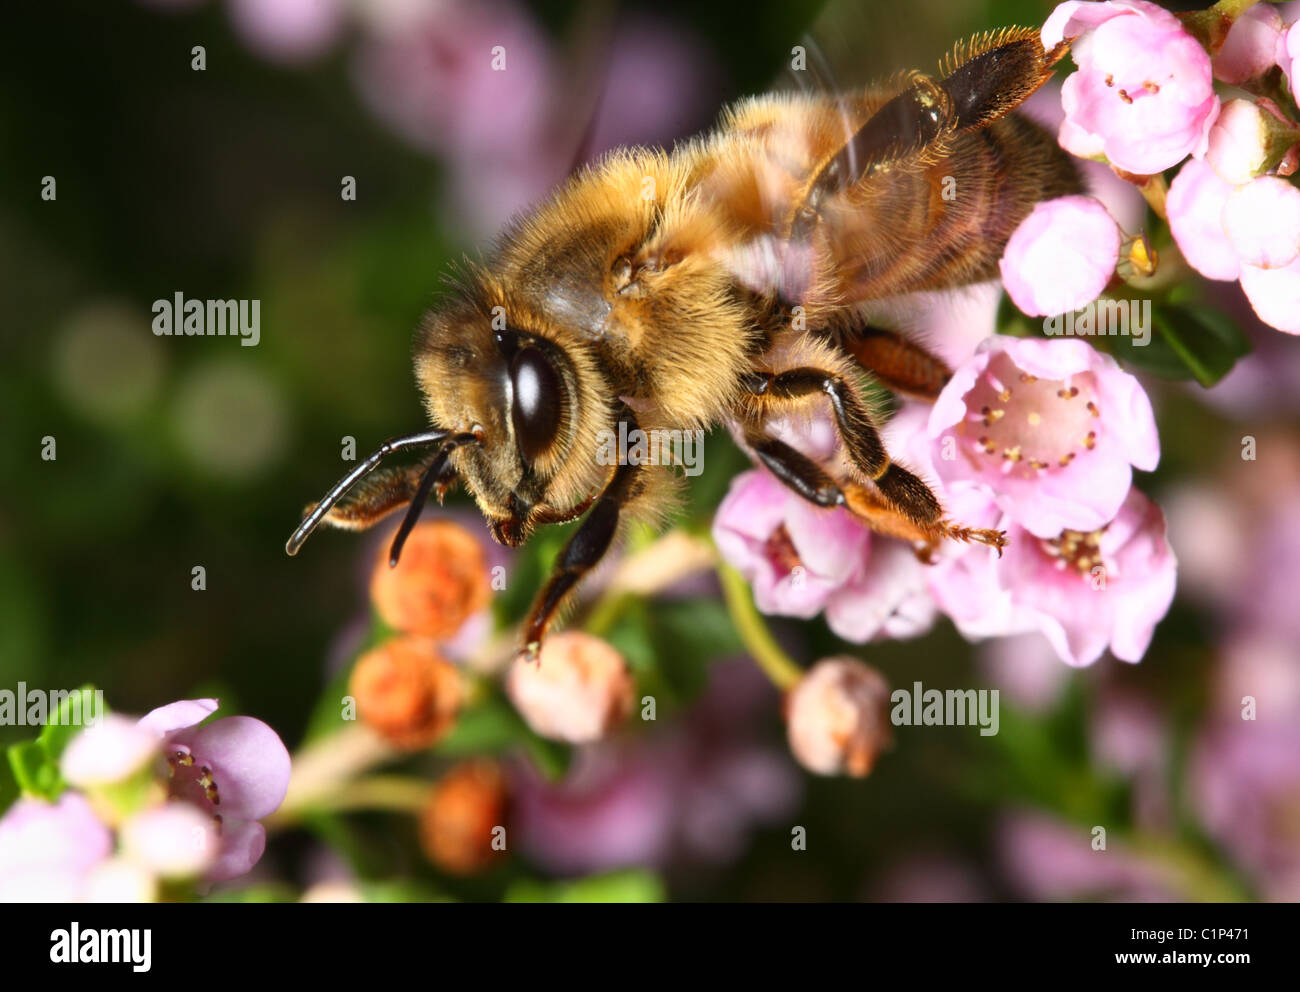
(794, 554)
(1251, 47)
(1275, 294)
(48, 851)
(1239, 142)
(802, 560)
(1195, 206)
(1144, 95)
(1061, 256)
(236, 768)
(1053, 427)
(1262, 222)
(1085, 591)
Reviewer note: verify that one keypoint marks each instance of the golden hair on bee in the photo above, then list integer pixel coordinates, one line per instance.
(723, 282)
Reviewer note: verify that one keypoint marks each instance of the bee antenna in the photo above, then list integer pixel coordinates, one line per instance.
(422, 440)
(422, 494)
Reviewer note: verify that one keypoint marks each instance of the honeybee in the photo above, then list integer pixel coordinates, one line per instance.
(724, 281)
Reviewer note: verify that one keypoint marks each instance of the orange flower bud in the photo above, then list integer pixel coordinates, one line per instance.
(837, 717)
(406, 692)
(578, 690)
(458, 821)
(441, 581)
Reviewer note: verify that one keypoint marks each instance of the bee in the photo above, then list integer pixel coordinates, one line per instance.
(722, 282)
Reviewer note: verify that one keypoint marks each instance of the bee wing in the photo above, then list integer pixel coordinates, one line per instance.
(799, 151)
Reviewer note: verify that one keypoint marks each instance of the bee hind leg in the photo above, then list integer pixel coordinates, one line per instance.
(901, 505)
(813, 483)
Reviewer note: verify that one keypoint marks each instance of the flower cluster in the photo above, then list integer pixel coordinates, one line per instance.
(153, 805)
(1038, 438)
(1144, 100)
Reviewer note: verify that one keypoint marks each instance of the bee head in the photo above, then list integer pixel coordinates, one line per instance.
(533, 395)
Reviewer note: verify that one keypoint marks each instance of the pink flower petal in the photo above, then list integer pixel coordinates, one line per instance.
(1275, 294)
(1195, 206)
(1262, 221)
(249, 763)
(177, 716)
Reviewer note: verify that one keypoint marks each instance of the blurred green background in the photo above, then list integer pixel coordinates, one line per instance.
(173, 453)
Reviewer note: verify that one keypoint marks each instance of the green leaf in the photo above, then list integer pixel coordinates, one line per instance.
(35, 763)
(35, 774)
(1207, 342)
(620, 886)
(687, 636)
(74, 713)
(493, 726)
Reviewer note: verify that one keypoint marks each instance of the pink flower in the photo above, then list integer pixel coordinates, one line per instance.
(1026, 669)
(795, 555)
(48, 851)
(1086, 591)
(615, 809)
(1275, 294)
(1288, 56)
(112, 750)
(173, 840)
(1245, 788)
(1239, 142)
(695, 789)
(235, 768)
(287, 30)
(469, 82)
(802, 560)
(1061, 256)
(1049, 860)
(1251, 47)
(1143, 95)
(1053, 427)
(1262, 222)
(1195, 206)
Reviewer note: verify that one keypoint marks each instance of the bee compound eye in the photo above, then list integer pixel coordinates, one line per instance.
(537, 396)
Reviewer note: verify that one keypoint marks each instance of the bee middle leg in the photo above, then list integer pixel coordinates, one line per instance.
(908, 508)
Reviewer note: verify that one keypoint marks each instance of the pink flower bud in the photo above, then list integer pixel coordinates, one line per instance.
(578, 690)
(1288, 56)
(1262, 221)
(1239, 142)
(1251, 47)
(1061, 256)
(108, 752)
(1195, 207)
(838, 717)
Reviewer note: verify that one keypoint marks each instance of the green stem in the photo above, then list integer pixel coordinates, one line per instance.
(394, 793)
(1232, 9)
(606, 613)
(749, 624)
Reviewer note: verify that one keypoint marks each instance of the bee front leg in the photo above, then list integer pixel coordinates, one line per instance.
(382, 492)
(581, 554)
